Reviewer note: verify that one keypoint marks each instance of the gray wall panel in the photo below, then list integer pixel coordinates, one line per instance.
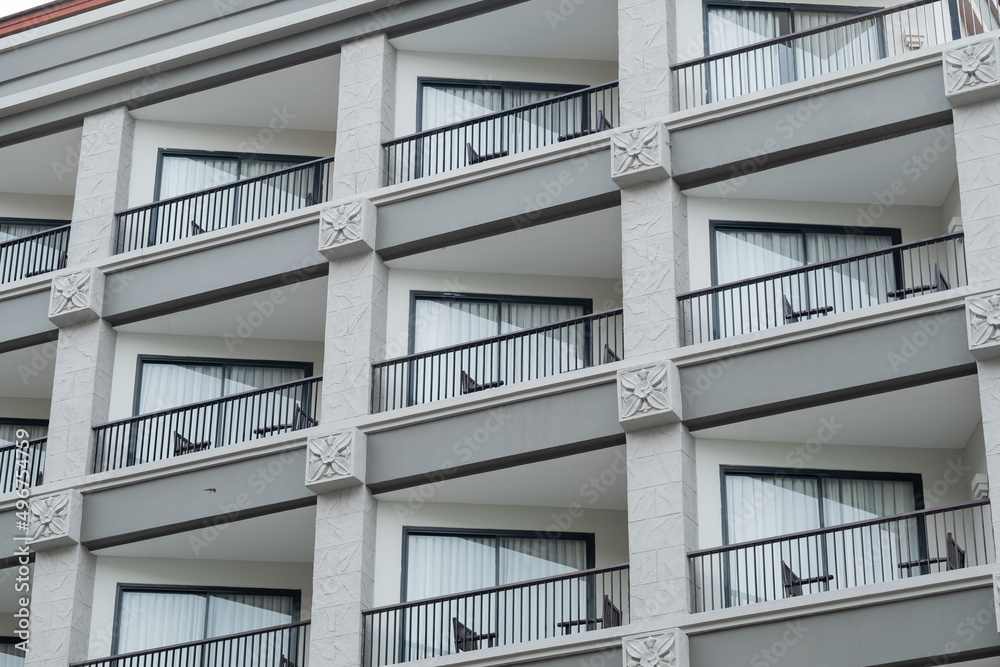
(797, 130)
(960, 624)
(518, 433)
(182, 502)
(883, 357)
(502, 204)
(244, 266)
(24, 321)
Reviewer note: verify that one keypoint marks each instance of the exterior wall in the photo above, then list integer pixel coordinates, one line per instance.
(610, 529)
(413, 64)
(46, 207)
(27, 408)
(914, 222)
(114, 570)
(951, 208)
(605, 294)
(150, 136)
(131, 345)
(931, 464)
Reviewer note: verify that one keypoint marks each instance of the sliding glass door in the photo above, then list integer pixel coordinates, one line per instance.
(762, 504)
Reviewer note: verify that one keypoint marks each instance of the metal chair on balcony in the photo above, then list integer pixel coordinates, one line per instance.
(467, 640)
(602, 125)
(793, 583)
(954, 558)
(939, 284)
(609, 355)
(300, 420)
(796, 315)
(472, 157)
(184, 446)
(469, 384)
(611, 618)
(285, 662)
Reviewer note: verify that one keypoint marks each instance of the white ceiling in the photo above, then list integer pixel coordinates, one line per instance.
(555, 483)
(45, 166)
(939, 415)
(302, 316)
(308, 92)
(568, 29)
(854, 176)
(588, 245)
(28, 373)
(289, 540)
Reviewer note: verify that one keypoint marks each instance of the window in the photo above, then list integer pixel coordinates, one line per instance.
(36, 428)
(759, 503)
(446, 101)
(11, 476)
(33, 256)
(10, 655)
(163, 383)
(185, 172)
(742, 251)
(150, 617)
(447, 561)
(731, 26)
(15, 228)
(440, 320)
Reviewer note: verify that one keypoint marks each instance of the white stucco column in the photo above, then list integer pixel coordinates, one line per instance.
(647, 46)
(62, 586)
(102, 184)
(366, 114)
(972, 86)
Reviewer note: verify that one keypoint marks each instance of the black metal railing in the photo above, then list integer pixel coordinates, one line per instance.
(34, 255)
(496, 616)
(208, 425)
(224, 206)
(508, 132)
(846, 556)
(833, 47)
(835, 286)
(279, 646)
(492, 362)
(22, 467)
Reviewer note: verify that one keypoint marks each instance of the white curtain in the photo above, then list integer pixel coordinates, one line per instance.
(544, 354)
(834, 50)
(10, 656)
(151, 620)
(240, 420)
(166, 386)
(29, 257)
(852, 285)
(732, 28)
(8, 433)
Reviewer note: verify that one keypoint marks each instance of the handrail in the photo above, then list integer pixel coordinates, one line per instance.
(821, 265)
(211, 401)
(835, 529)
(495, 589)
(777, 41)
(34, 441)
(555, 99)
(224, 186)
(191, 644)
(500, 337)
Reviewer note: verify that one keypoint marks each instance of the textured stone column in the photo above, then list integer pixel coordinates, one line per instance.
(355, 309)
(972, 86)
(366, 115)
(62, 587)
(343, 575)
(662, 499)
(102, 184)
(654, 239)
(81, 388)
(647, 46)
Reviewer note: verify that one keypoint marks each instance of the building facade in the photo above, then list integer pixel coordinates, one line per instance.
(544, 332)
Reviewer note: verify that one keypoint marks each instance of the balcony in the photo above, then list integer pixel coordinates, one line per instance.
(196, 427)
(22, 465)
(504, 133)
(497, 616)
(501, 360)
(825, 288)
(845, 556)
(225, 206)
(34, 255)
(280, 646)
(837, 46)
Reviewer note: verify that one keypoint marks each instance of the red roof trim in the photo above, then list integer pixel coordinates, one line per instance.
(53, 11)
